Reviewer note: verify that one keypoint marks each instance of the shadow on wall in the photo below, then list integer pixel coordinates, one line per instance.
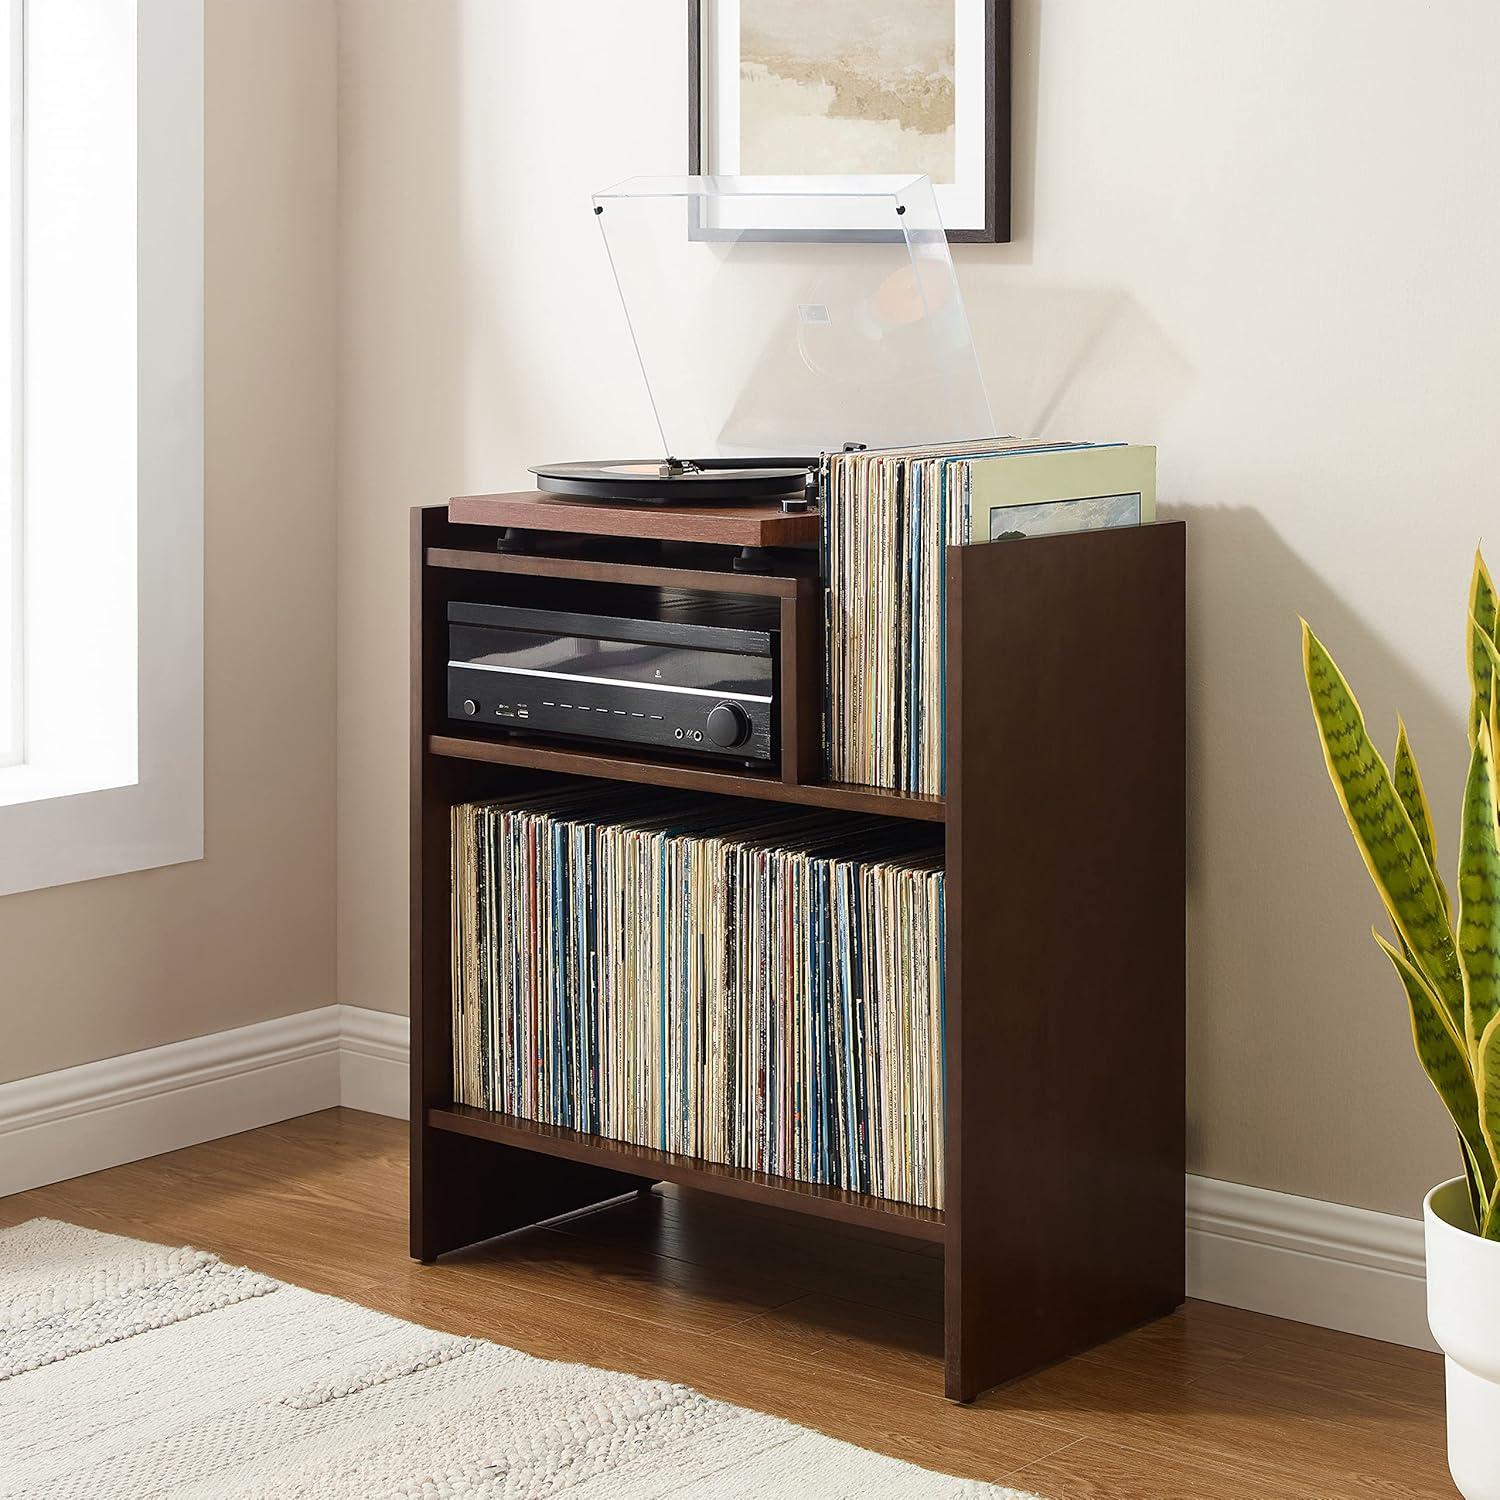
(1050, 352)
(1281, 968)
(1057, 359)
(1025, 42)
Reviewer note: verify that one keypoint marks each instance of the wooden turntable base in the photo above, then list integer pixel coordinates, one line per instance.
(739, 525)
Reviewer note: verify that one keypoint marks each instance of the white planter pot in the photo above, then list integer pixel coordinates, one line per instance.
(1463, 1309)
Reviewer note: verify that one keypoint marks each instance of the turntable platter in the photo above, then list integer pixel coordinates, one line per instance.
(683, 481)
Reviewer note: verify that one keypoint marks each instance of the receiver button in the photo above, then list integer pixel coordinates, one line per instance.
(470, 706)
(728, 725)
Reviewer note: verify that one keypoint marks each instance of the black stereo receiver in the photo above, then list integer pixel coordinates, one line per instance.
(688, 673)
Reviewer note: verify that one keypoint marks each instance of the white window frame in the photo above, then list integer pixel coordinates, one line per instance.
(111, 777)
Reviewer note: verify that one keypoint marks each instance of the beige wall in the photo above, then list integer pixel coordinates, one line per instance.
(113, 965)
(1260, 235)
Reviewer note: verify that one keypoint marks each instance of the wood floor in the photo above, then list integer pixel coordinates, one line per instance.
(832, 1327)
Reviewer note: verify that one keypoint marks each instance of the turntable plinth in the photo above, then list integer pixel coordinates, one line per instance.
(738, 525)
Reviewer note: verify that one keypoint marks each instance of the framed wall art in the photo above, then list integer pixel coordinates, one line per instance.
(833, 87)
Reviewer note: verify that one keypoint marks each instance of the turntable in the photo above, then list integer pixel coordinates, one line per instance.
(792, 481)
(776, 316)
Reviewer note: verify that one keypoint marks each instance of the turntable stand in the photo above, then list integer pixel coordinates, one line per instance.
(1064, 818)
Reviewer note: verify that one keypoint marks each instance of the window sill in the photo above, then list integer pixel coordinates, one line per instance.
(31, 783)
(55, 830)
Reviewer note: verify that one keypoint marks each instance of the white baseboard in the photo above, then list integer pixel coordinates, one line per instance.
(1314, 1262)
(1299, 1258)
(373, 1053)
(101, 1114)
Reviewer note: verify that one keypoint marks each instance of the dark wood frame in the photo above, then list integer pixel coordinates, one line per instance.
(997, 118)
(1065, 994)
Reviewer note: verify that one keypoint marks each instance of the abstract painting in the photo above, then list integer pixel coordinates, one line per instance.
(847, 86)
(836, 87)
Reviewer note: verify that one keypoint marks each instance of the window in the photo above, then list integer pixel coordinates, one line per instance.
(101, 756)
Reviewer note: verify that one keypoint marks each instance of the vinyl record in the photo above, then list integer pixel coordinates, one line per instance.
(682, 481)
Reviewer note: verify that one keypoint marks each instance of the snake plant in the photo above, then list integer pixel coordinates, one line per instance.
(1447, 949)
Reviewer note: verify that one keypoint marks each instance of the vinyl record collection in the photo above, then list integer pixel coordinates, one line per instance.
(888, 518)
(758, 988)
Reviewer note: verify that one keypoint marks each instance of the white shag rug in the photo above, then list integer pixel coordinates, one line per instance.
(129, 1369)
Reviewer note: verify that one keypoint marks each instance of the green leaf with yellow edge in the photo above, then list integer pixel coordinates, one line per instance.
(1489, 651)
(1471, 1181)
(1482, 623)
(1479, 892)
(1487, 1062)
(1445, 1060)
(1487, 1080)
(1484, 667)
(1489, 1227)
(1409, 788)
(1387, 840)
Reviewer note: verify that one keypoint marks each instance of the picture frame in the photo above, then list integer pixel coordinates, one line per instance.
(975, 205)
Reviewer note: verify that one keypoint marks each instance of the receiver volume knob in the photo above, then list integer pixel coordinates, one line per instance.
(728, 725)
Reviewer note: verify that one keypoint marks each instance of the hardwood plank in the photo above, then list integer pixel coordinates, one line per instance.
(320, 1243)
(832, 1333)
(1334, 1456)
(1092, 1470)
(1395, 1413)
(1174, 1347)
(1418, 1386)
(1329, 1339)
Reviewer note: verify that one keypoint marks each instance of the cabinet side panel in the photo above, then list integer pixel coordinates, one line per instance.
(801, 684)
(462, 1190)
(1066, 960)
(431, 1067)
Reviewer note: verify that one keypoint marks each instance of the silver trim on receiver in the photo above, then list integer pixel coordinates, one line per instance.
(618, 682)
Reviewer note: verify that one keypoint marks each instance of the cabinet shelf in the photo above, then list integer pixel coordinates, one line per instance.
(654, 771)
(734, 1182)
(682, 568)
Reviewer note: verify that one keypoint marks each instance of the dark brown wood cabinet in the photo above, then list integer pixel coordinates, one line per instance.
(1065, 984)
